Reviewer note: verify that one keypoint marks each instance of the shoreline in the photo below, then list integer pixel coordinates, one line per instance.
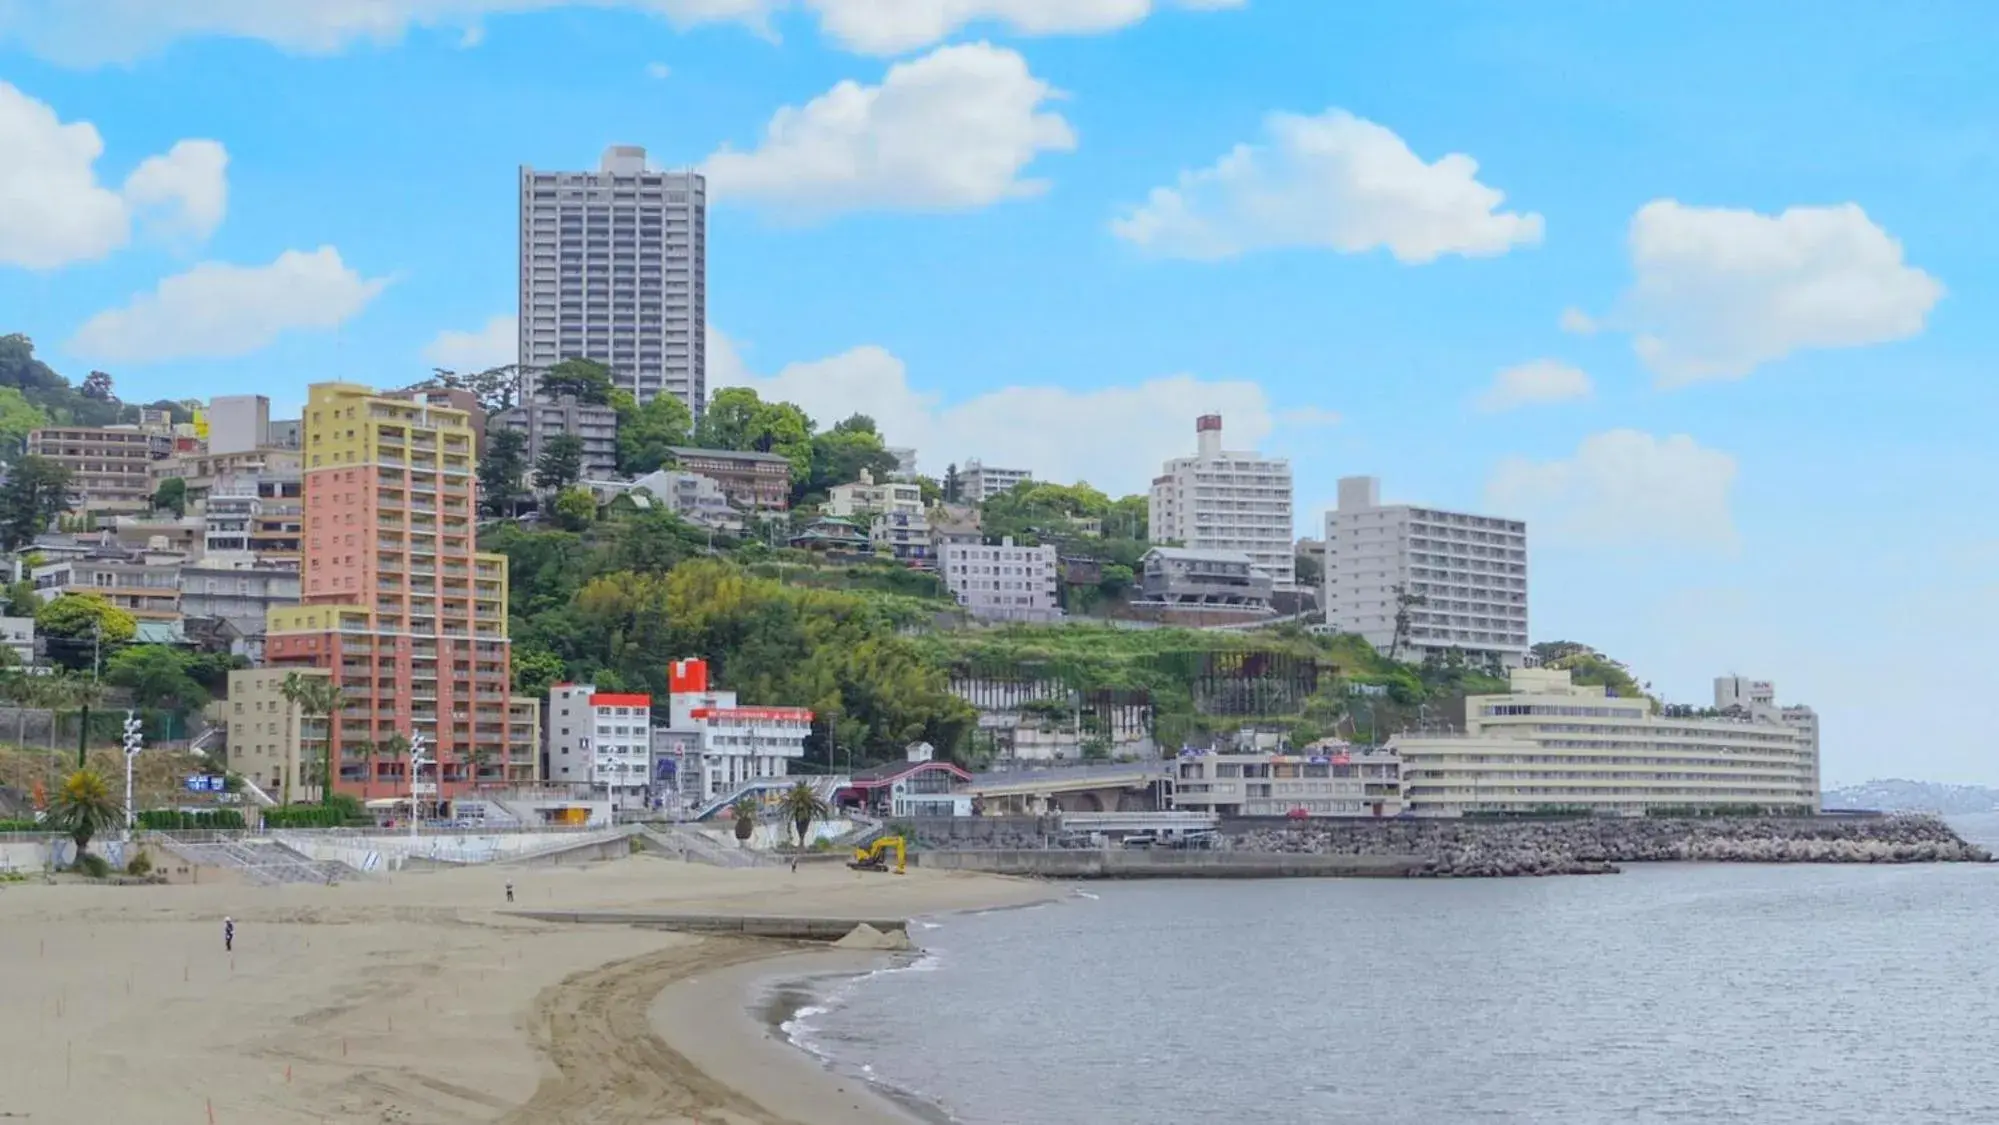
(419, 999)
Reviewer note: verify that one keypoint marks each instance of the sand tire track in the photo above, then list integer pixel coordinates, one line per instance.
(611, 1068)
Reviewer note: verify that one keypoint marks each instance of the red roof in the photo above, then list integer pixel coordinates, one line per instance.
(609, 699)
(796, 713)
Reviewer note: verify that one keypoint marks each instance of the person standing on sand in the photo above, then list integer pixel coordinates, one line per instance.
(228, 935)
(510, 890)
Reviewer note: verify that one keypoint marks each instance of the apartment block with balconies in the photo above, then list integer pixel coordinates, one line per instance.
(614, 268)
(1466, 573)
(1218, 500)
(396, 601)
(110, 466)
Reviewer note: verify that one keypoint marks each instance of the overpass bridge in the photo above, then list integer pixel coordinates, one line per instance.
(1116, 787)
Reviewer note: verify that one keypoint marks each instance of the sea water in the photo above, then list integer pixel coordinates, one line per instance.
(1669, 993)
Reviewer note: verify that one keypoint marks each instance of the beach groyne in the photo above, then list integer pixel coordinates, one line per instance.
(1483, 848)
(825, 929)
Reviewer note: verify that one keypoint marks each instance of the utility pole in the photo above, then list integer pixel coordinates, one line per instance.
(134, 742)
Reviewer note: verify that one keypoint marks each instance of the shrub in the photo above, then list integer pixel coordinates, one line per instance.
(175, 820)
(141, 864)
(306, 816)
(93, 865)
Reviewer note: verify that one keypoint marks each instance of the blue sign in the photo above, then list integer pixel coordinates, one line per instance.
(203, 783)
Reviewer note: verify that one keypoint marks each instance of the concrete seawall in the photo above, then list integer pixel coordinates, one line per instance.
(1092, 863)
(766, 926)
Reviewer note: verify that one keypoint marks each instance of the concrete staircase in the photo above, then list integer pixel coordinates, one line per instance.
(693, 846)
(264, 862)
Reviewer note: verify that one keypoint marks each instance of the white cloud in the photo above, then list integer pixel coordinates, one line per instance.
(1308, 417)
(92, 32)
(1058, 434)
(1536, 381)
(1716, 292)
(185, 191)
(217, 310)
(1623, 488)
(658, 70)
(888, 27)
(1577, 322)
(1332, 182)
(53, 212)
(951, 130)
(496, 344)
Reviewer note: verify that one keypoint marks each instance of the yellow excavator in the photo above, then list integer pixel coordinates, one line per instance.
(874, 857)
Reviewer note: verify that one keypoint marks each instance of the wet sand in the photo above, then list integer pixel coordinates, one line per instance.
(418, 1001)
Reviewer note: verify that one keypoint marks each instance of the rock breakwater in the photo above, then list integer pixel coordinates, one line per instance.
(1475, 849)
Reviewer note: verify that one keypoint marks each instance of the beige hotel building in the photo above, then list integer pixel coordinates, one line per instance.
(1551, 742)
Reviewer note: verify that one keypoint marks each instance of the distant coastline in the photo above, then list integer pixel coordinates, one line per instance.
(1902, 795)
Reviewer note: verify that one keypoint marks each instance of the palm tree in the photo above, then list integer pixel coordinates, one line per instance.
(82, 808)
(72, 689)
(801, 805)
(745, 811)
(316, 697)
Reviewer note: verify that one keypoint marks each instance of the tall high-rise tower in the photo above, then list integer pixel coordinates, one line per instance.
(614, 267)
(395, 601)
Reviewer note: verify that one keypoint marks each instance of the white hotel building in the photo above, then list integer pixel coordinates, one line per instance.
(602, 742)
(1470, 571)
(1222, 501)
(721, 745)
(1553, 743)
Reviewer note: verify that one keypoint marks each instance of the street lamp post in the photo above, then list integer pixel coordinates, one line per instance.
(134, 742)
(418, 760)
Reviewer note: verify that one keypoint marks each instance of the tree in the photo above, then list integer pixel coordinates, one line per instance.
(21, 598)
(588, 380)
(738, 419)
(647, 434)
(1309, 572)
(841, 455)
(171, 496)
(81, 629)
(501, 469)
(36, 492)
(535, 671)
(97, 385)
(1404, 602)
(494, 387)
(83, 808)
(745, 811)
(954, 485)
(316, 697)
(575, 509)
(801, 806)
(158, 676)
(560, 464)
(18, 418)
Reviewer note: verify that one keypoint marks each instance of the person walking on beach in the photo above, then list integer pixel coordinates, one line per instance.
(228, 935)
(510, 890)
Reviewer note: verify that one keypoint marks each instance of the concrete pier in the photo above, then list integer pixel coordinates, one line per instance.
(739, 925)
(1097, 863)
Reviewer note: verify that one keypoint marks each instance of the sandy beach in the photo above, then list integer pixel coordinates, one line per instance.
(418, 1000)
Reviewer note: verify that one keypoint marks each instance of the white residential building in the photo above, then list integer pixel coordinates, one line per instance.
(613, 267)
(1551, 743)
(1469, 572)
(978, 483)
(1007, 582)
(1318, 781)
(893, 511)
(692, 497)
(1222, 501)
(866, 495)
(1758, 700)
(18, 635)
(601, 742)
(727, 745)
(238, 423)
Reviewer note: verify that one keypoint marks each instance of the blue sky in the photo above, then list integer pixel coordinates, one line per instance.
(1760, 444)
